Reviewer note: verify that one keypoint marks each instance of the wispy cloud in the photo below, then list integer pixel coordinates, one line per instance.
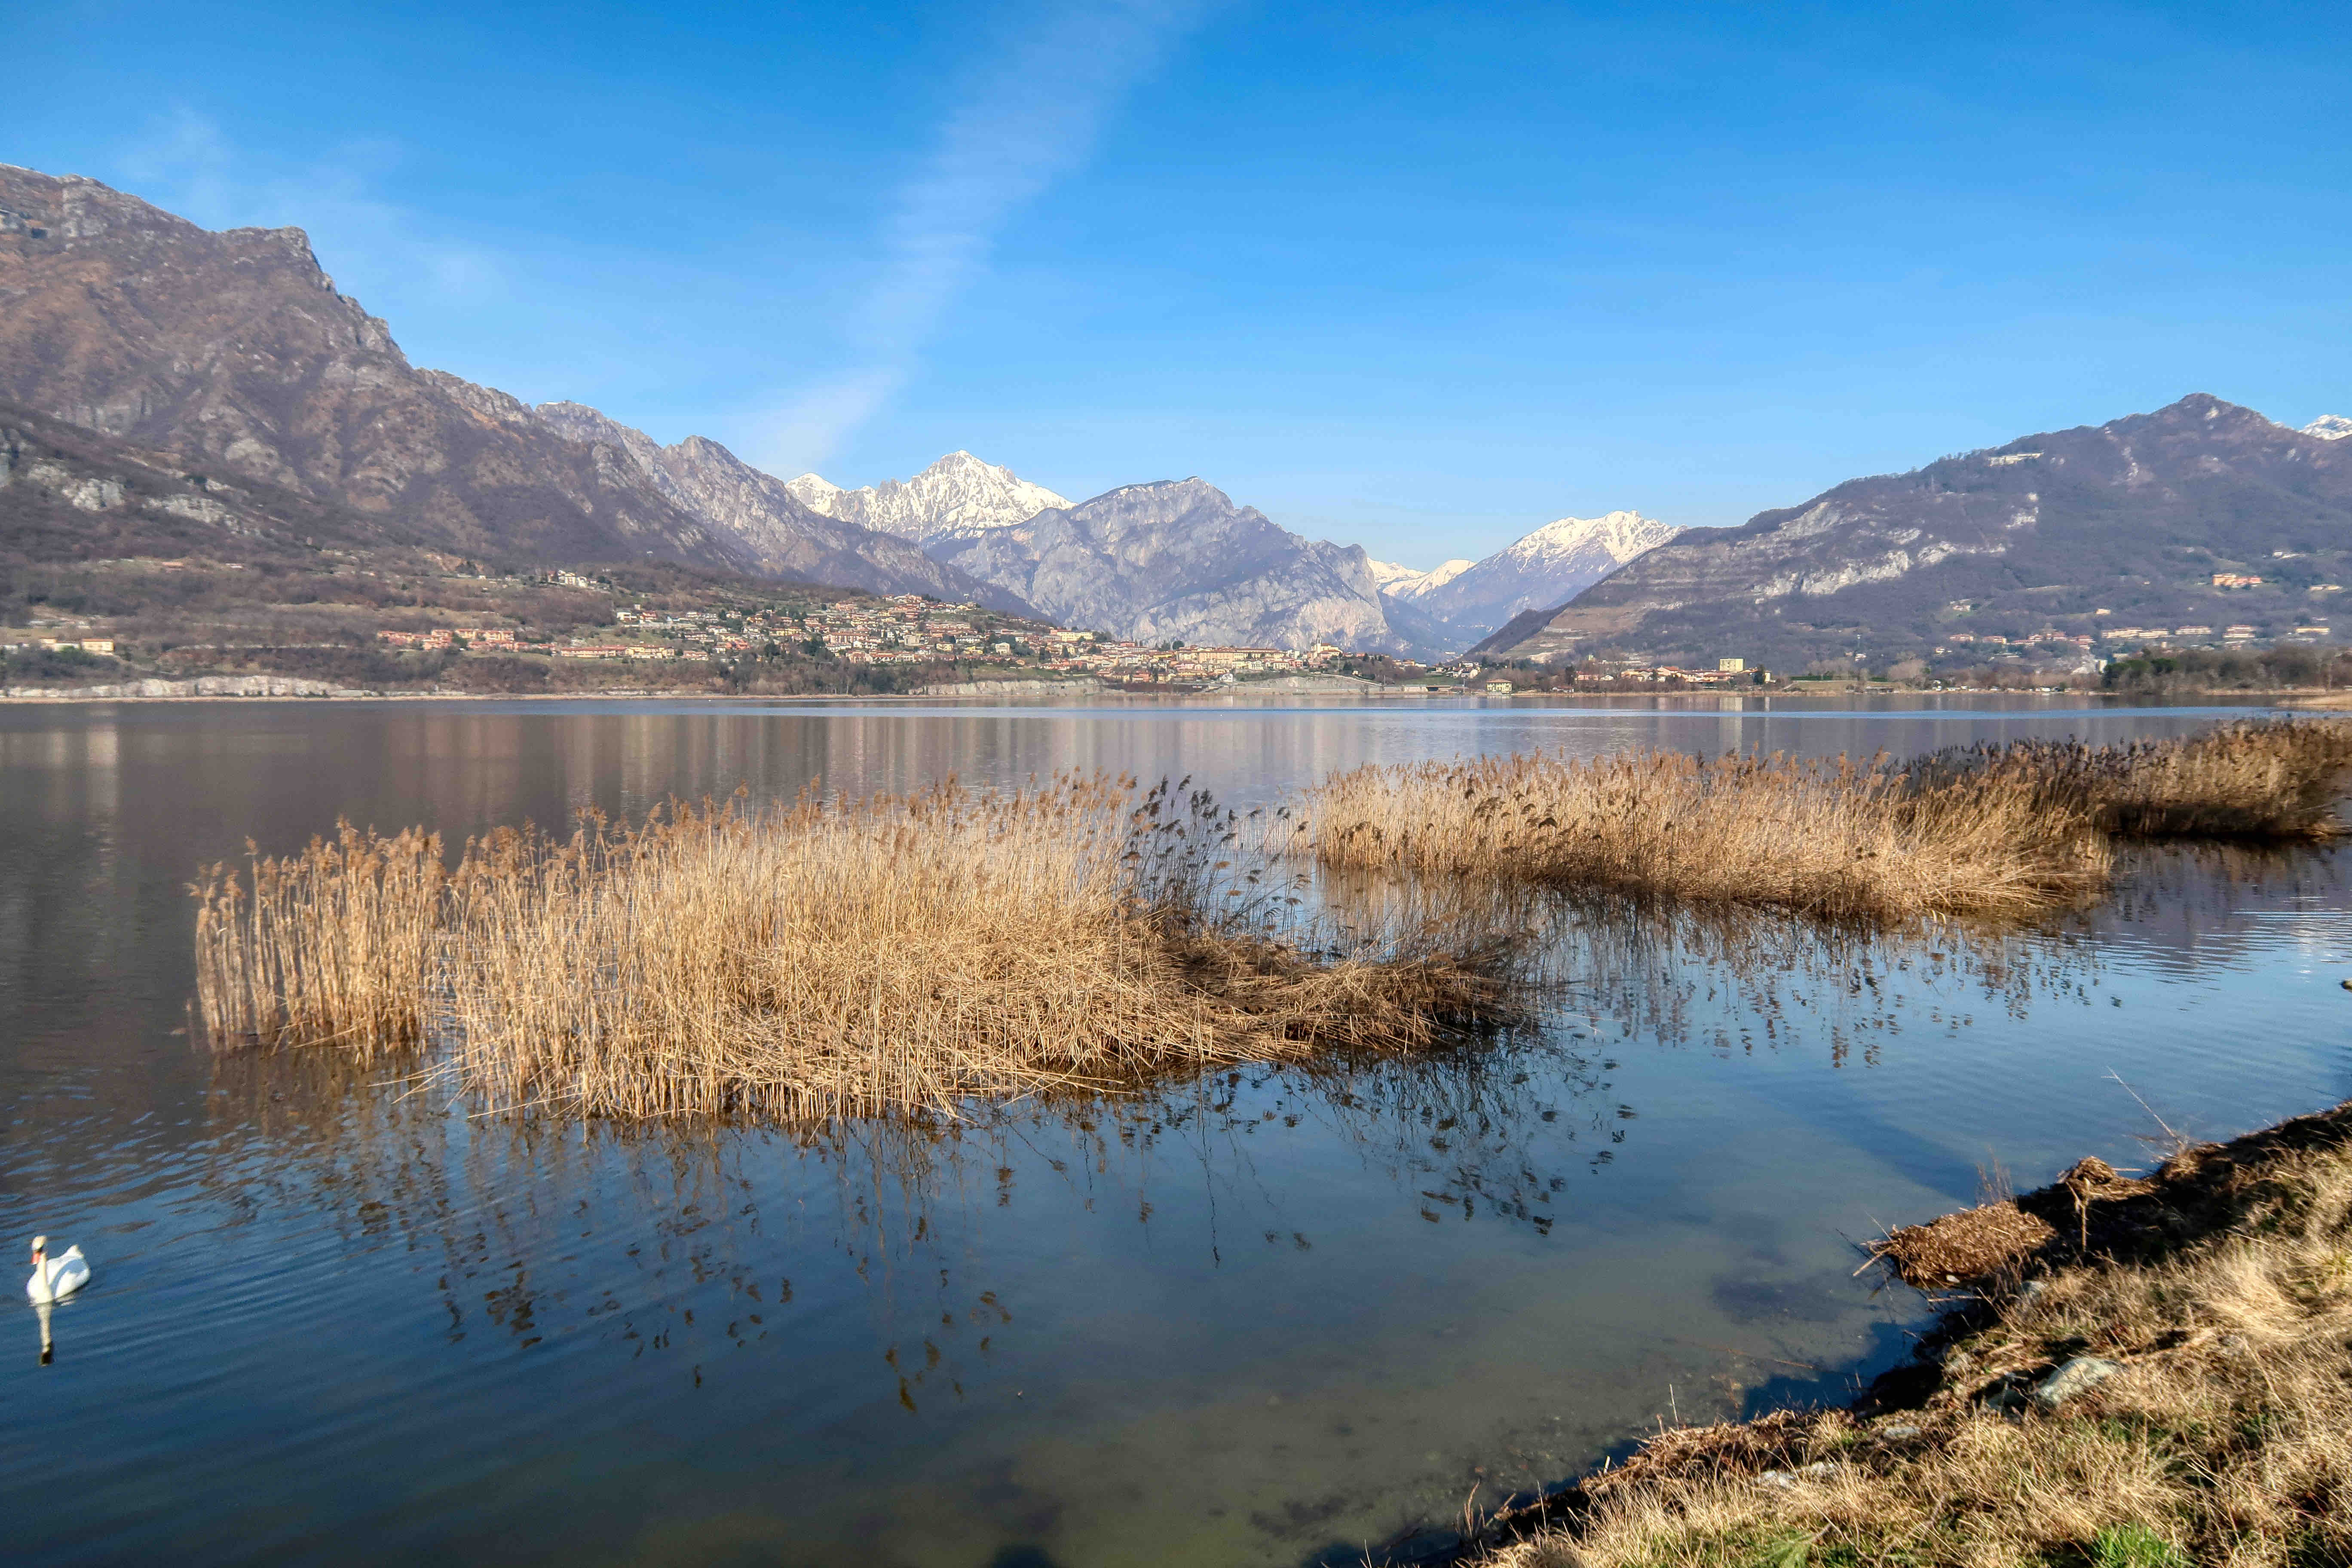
(1033, 117)
(377, 249)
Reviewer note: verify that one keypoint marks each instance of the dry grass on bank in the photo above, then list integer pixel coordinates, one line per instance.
(2220, 1291)
(1996, 831)
(831, 958)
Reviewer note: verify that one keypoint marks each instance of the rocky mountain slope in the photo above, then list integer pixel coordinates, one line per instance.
(1545, 568)
(957, 494)
(1178, 561)
(232, 353)
(783, 535)
(2134, 517)
(72, 500)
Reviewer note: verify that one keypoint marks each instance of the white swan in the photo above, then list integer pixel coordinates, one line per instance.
(55, 1279)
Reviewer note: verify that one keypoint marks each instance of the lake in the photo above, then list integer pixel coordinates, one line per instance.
(1265, 1317)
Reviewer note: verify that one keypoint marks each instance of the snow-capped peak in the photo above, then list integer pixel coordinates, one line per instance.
(1411, 582)
(1621, 535)
(815, 492)
(957, 494)
(1548, 566)
(2329, 428)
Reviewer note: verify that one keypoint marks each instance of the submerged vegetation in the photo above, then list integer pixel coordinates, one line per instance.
(1999, 830)
(2145, 1372)
(895, 953)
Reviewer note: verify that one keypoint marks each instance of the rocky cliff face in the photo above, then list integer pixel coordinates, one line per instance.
(234, 352)
(2132, 518)
(72, 497)
(1544, 569)
(957, 494)
(1177, 560)
(784, 537)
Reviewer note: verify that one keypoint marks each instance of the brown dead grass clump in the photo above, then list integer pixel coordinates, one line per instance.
(2204, 1313)
(899, 953)
(1964, 1245)
(1994, 831)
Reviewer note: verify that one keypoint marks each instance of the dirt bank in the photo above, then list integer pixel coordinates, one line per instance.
(2143, 1371)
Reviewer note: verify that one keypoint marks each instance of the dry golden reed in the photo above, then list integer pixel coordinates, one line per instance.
(1999, 831)
(897, 952)
(333, 943)
(2265, 779)
(1828, 838)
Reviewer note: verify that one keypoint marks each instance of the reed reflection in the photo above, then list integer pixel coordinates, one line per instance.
(646, 1235)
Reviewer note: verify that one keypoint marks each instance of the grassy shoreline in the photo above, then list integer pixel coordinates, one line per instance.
(2131, 1373)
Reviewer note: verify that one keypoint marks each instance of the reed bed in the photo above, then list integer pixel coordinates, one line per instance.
(335, 944)
(2274, 780)
(829, 958)
(1991, 831)
(1836, 838)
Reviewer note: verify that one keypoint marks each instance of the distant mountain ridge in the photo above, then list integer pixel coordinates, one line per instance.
(955, 494)
(785, 537)
(2329, 428)
(1408, 582)
(2079, 532)
(1461, 601)
(1547, 567)
(1177, 560)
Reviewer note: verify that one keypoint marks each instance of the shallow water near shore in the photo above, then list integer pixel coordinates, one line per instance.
(1267, 1317)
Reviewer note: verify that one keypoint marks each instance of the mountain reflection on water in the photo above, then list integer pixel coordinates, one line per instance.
(1259, 1316)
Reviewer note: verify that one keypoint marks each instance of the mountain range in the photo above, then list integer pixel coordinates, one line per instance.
(1178, 561)
(2200, 513)
(224, 390)
(232, 353)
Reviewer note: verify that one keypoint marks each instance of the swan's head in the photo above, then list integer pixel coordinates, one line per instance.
(40, 1244)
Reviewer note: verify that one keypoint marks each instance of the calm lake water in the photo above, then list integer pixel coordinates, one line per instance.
(1265, 1318)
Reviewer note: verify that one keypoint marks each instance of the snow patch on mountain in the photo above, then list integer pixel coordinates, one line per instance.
(1547, 567)
(1409, 583)
(1620, 535)
(815, 492)
(957, 494)
(2329, 428)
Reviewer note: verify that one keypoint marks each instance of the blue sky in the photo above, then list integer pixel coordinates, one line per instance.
(1420, 277)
